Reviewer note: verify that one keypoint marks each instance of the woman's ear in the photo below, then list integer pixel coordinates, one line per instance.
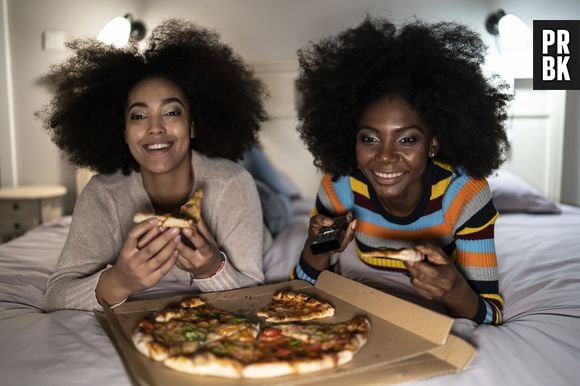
(433, 147)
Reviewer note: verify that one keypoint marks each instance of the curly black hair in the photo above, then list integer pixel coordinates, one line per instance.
(86, 116)
(436, 68)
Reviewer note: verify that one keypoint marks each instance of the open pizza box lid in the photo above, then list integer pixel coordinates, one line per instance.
(406, 342)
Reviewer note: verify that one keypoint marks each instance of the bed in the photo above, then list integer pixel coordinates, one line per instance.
(539, 343)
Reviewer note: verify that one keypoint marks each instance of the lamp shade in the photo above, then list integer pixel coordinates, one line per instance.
(116, 32)
(513, 31)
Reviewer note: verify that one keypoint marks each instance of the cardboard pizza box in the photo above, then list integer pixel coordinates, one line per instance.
(406, 342)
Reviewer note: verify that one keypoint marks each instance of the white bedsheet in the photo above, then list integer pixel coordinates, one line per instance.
(538, 344)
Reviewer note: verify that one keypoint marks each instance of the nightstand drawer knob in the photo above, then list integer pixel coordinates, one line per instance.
(15, 206)
(16, 225)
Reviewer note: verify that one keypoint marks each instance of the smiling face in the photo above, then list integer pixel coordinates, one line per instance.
(392, 148)
(157, 126)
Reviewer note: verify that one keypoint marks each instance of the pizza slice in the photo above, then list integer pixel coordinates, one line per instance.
(164, 220)
(403, 254)
(301, 348)
(159, 340)
(289, 306)
(220, 324)
(191, 210)
(327, 336)
(187, 327)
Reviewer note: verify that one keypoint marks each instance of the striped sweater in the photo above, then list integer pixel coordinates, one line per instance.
(456, 212)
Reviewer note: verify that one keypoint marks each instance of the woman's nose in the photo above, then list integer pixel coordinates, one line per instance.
(156, 126)
(387, 153)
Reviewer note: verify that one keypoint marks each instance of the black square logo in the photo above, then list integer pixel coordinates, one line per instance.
(556, 55)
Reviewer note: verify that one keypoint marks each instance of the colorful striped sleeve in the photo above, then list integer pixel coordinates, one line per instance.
(304, 271)
(334, 198)
(475, 253)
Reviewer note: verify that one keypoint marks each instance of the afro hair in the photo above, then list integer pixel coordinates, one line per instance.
(436, 68)
(86, 116)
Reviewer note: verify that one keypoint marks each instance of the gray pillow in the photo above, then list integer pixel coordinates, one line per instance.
(512, 194)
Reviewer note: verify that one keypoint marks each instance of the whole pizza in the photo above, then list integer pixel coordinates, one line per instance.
(196, 338)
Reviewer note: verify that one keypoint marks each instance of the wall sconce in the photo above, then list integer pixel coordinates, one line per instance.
(512, 31)
(119, 30)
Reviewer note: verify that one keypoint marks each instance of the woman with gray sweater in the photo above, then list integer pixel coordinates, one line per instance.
(157, 125)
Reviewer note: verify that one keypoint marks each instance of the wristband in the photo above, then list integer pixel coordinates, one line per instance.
(222, 263)
(193, 275)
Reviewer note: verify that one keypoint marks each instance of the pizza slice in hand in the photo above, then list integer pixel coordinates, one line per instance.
(191, 209)
(403, 254)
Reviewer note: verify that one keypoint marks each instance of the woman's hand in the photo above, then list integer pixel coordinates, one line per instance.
(322, 260)
(438, 278)
(203, 260)
(146, 256)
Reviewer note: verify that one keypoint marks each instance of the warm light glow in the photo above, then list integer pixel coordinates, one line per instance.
(513, 31)
(116, 32)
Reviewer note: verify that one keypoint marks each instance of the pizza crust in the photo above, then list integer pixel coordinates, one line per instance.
(147, 346)
(164, 221)
(205, 363)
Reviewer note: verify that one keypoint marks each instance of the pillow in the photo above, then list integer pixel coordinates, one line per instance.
(513, 194)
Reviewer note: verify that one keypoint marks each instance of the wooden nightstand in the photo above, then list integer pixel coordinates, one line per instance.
(24, 207)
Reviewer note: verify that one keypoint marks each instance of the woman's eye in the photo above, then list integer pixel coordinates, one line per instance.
(408, 140)
(367, 139)
(136, 116)
(173, 113)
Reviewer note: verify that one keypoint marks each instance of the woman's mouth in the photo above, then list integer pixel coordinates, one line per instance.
(387, 178)
(388, 175)
(157, 147)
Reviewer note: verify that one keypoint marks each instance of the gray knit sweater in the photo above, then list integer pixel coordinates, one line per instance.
(103, 216)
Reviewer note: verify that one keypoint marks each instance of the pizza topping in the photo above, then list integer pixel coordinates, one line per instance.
(193, 334)
(270, 333)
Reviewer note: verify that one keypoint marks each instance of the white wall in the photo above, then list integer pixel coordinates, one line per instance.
(263, 31)
(38, 161)
(7, 144)
(571, 171)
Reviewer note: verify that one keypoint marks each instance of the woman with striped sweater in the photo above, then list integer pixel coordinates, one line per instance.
(406, 127)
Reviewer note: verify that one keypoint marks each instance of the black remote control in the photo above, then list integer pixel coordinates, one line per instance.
(329, 237)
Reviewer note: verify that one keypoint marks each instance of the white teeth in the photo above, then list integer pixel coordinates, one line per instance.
(157, 146)
(388, 175)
